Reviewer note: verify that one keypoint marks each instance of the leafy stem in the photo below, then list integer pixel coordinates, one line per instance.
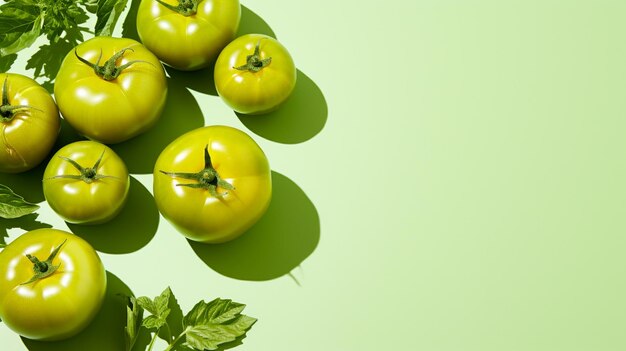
(109, 70)
(207, 178)
(46, 268)
(8, 111)
(184, 7)
(254, 62)
(87, 174)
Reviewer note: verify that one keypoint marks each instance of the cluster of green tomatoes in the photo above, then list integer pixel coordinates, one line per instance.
(212, 183)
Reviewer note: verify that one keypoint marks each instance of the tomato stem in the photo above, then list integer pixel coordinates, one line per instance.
(207, 178)
(87, 174)
(46, 268)
(184, 7)
(254, 62)
(8, 111)
(109, 70)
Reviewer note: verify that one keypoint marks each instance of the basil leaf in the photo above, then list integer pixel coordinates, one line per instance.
(208, 325)
(158, 309)
(13, 205)
(108, 13)
(23, 40)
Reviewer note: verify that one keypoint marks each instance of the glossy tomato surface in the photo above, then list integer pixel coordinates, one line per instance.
(115, 110)
(259, 89)
(195, 211)
(188, 42)
(59, 305)
(78, 198)
(29, 123)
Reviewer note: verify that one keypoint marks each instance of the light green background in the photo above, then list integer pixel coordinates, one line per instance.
(469, 180)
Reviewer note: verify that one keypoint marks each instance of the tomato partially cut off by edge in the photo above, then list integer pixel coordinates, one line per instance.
(187, 35)
(29, 122)
(56, 306)
(212, 183)
(93, 195)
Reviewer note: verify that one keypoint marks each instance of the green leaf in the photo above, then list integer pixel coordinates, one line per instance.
(162, 302)
(6, 62)
(134, 316)
(108, 13)
(16, 22)
(220, 321)
(23, 40)
(13, 205)
(153, 322)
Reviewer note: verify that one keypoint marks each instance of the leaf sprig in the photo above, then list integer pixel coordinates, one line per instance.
(22, 22)
(207, 326)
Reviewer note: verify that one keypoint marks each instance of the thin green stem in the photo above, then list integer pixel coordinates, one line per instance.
(153, 340)
(173, 343)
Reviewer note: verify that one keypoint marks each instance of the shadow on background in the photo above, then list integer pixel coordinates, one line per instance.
(27, 223)
(132, 229)
(106, 331)
(180, 115)
(286, 235)
(200, 80)
(300, 118)
(251, 23)
(129, 27)
(29, 184)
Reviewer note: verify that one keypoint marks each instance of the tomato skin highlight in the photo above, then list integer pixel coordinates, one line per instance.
(60, 305)
(27, 138)
(77, 201)
(111, 111)
(191, 42)
(194, 212)
(250, 92)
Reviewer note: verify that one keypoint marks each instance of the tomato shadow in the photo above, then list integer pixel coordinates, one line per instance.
(29, 184)
(251, 23)
(27, 223)
(105, 332)
(297, 120)
(284, 237)
(130, 230)
(180, 115)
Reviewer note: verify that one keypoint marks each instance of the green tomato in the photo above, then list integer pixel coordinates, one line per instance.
(115, 100)
(29, 122)
(187, 34)
(254, 74)
(52, 284)
(86, 183)
(212, 183)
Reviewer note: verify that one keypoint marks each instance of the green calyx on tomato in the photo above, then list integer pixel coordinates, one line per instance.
(45, 268)
(87, 174)
(8, 111)
(254, 62)
(184, 7)
(207, 178)
(110, 70)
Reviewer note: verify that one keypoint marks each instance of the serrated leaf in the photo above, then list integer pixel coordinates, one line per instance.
(47, 60)
(147, 304)
(6, 62)
(107, 14)
(220, 321)
(217, 311)
(13, 205)
(24, 40)
(161, 302)
(153, 322)
(134, 316)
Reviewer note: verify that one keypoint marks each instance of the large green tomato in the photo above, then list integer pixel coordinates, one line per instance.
(212, 183)
(187, 34)
(110, 89)
(86, 183)
(29, 122)
(52, 284)
(254, 74)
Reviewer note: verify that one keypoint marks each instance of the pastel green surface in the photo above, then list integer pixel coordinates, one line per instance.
(451, 175)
